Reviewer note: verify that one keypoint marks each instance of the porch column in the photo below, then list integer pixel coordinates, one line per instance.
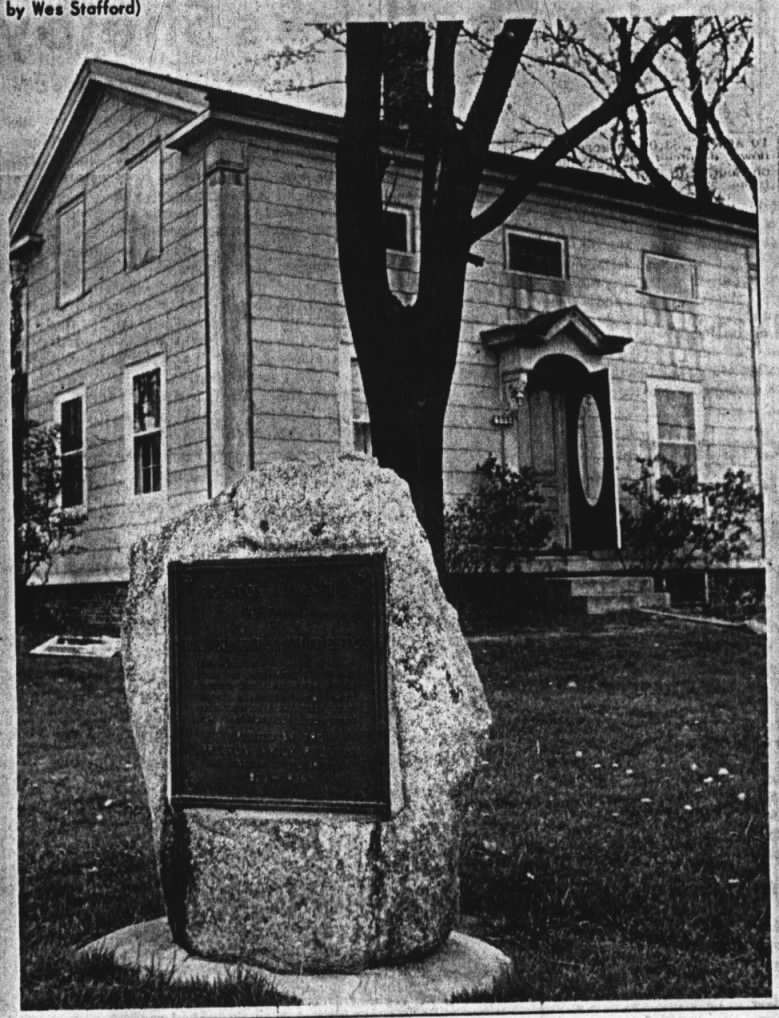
(227, 303)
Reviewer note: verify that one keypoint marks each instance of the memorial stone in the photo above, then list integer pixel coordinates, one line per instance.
(308, 719)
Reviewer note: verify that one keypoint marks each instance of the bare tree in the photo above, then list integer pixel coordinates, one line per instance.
(407, 349)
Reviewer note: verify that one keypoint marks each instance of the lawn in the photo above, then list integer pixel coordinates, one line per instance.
(616, 843)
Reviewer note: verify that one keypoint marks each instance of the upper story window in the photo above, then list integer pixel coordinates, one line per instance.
(70, 418)
(669, 277)
(361, 424)
(675, 421)
(70, 251)
(536, 254)
(143, 214)
(147, 409)
(397, 226)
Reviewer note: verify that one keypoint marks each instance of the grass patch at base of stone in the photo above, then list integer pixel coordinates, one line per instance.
(581, 859)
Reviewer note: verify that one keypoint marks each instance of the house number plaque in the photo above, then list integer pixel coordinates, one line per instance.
(278, 684)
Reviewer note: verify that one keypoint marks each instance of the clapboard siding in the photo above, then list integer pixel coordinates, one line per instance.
(123, 318)
(298, 330)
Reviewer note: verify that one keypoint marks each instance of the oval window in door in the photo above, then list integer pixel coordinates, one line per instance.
(589, 442)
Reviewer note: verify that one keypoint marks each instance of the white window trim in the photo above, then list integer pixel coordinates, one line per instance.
(509, 231)
(79, 392)
(353, 418)
(130, 164)
(675, 385)
(408, 213)
(71, 203)
(659, 293)
(139, 368)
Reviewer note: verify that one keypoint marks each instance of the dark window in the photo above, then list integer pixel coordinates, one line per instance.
(539, 256)
(70, 251)
(143, 216)
(361, 425)
(147, 432)
(396, 230)
(72, 452)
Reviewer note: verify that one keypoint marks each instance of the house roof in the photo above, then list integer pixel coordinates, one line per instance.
(204, 107)
(569, 323)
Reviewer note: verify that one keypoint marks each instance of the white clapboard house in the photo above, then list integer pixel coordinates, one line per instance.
(183, 317)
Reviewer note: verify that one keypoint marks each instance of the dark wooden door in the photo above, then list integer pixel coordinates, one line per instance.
(591, 484)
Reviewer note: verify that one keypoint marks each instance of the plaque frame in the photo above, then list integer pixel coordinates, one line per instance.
(378, 807)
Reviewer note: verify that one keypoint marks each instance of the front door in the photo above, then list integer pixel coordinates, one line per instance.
(591, 486)
(564, 433)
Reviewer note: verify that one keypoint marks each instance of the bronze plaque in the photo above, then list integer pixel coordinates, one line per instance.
(278, 684)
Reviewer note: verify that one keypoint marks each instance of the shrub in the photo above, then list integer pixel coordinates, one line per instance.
(675, 520)
(503, 518)
(43, 528)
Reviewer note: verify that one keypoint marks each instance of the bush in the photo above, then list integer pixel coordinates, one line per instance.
(502, 519)
(675, 520)
(43, 529)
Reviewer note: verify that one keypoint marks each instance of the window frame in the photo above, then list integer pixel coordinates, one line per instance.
(558, 238)
(408, 213)
(68, 206)
(677, 385)
(65, 397)
(354, 418)
(157, 362)
(154, 148)
(693, 265)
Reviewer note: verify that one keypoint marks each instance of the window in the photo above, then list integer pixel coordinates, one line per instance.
(396, 224)
(361, 425)
(147, 402)
(70, 418)
(143, 216)
(669, 277)
(535, 254)
(675, 418)
(70, 251)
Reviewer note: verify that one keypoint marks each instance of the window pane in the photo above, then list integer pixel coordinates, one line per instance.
(146, 401)
(72, 466)
(675, 416)
(681, 455)
(540, 256)
(395, 230)
(143, 210)
(148, 471)
(669, 277)
(71, 432)
(71, 252)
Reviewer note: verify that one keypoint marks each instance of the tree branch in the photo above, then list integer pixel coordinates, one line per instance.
(502, 207)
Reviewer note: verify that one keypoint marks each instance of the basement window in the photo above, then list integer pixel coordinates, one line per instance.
(535, 254)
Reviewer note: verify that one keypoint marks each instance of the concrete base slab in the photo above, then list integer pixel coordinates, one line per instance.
(464, 965)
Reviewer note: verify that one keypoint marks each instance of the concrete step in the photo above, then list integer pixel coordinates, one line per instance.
(600, 604)
(605, 584)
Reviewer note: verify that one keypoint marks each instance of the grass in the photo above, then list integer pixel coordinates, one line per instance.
(596, 894)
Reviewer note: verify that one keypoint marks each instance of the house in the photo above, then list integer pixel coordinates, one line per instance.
(175, 254)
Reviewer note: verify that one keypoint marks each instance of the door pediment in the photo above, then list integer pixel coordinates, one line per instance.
(567, 331)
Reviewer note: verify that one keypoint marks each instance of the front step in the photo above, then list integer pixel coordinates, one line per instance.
(599, 594)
